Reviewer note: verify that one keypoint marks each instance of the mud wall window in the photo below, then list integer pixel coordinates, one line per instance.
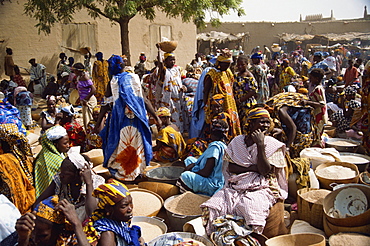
(157, 32)
(78, 35)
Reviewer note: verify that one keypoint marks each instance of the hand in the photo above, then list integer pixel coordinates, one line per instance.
(183, 88)
(69, 211)
(25, 225)
(141, 241)
(258, 137)
(86, 175)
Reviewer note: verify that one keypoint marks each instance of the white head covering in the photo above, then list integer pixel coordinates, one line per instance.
(69, 110)
(55, 133)
(77, 159)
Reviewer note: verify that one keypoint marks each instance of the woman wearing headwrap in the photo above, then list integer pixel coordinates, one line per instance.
(75, 131)
(100, 75)
(220, 81)
(254, 176)
(55, 145)
(169, 88)
(127, 140)
(75, 182)
(343, 118)
(170, 143)
(245, 89)
(49, 116)
(204, 175)
(53, 222)
(287, 74)
(110, 220)
(16, 180)
(260, 74)
(23, 100)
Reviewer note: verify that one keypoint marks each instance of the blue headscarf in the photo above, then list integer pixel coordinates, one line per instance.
(99, 56)
(115, 64)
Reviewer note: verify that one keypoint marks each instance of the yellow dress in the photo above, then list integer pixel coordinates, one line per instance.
(222, 83)
(100, 77)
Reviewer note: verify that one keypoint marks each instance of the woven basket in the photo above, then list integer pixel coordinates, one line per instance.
(325, 182)
(362, 177)
(359, 220)
(168, 46)
(302, 239)
(331, 229)
(96, 156)
(162, 189)
(141, 199)
(308, 211)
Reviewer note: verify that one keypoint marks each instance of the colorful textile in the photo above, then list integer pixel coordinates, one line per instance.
(343, 123)
(10, 115)
(249, 195)
(195, 147)
(83, 87)
(286, 76)
(217, 99)
(19, 147)
(222, 83)
(127, 141)
(260, 75)
(350, 75)
(93, 140)
(302, 117)
(242, 86)
(17, 78)
(320, 114)
(46, 209)
(163, 112)
(75, 133)
(169, 95)
(15, 184)
(47, 163)
(48, 117)
(174, 145)
(168, 54)
(100, 77)
(215, 181)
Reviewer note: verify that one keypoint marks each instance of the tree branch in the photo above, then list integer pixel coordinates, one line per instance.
(100, 12)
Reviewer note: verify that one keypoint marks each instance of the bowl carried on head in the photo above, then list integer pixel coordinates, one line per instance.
(168, 46)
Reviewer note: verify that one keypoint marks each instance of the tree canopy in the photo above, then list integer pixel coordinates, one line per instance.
(49, 12)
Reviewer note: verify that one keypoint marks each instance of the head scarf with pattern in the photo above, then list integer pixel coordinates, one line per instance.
(46, 209)
(219, 125)
(96, 109)
(257, 113)
(108, 194)
(168, 54)
(68, 110)
(225, 56)
(18, 144)
(350, 90)
(217, 99)
(162, 112)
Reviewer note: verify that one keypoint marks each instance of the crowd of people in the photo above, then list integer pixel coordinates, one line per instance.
(236, 122)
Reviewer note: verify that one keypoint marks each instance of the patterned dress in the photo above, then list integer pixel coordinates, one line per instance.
(318, 95)
(242, 86)
(169, 95)
(93, 140)
(222, 83)
(286, 76)
(263, 86)
(100, 77)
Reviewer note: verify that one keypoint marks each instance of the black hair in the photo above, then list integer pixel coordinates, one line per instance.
(79, 65)
(317, 73)
(62, 55)
(243, 58)
(9, 51)
(32, 60)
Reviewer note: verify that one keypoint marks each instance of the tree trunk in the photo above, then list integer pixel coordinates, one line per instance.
(125, 44)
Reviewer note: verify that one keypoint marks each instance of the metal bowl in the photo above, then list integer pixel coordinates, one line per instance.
(165, 174)
(348, 157)
(338, 144)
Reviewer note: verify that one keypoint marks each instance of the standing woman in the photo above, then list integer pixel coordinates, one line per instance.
(86, 90)
(55, 145)
(9, 63)
(23, 100)
(100, 75)
(245, 88)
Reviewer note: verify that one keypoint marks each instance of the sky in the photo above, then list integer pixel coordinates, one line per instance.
(289, 10)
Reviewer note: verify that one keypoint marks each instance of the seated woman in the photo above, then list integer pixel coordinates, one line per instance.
(55, 145)
(111, 218)
(254, 176)
(75, 182)
(16, 180)
(49, 117)
(204, 175)
(75, 131)
(47, 225)
(170, 143)
(93, 140)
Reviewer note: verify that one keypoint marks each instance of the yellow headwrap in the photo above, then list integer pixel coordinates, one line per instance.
(96, 109)
(109, 193)
(168, 54)
(46, 209)
(303, 91)
(221, 58)
(163, 111)
(257, 113)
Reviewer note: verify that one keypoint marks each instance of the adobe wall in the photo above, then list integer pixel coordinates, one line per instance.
(17, 31)
(266, 33)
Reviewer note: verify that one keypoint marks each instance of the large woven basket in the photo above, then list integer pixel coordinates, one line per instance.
(325, 182)
(168, 46)
(331, 229)
(302, 239)
(308, 211)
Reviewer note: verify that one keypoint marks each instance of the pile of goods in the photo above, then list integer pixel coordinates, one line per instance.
(315, 196)
(186, 204)
(349, 239)
(336, 172)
